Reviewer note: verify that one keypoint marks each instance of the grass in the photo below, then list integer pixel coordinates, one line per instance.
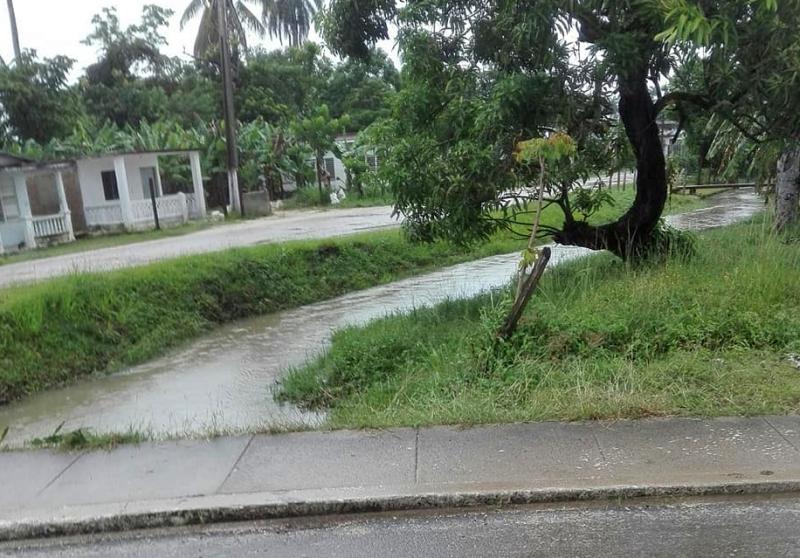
(308, 197)
(55, 332)
(85, 439)
(710, 336)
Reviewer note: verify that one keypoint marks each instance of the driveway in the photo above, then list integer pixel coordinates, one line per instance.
(293, 226)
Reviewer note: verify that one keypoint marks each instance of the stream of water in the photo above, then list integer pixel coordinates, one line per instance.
(223, 380)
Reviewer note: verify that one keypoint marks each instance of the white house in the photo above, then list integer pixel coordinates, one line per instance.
(20, 227)
(105, 192)
(334, 166)
(115, 189)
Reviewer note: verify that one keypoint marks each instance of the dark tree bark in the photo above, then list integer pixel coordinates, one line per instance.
(787, 188)
(14, 32)
(631, 233)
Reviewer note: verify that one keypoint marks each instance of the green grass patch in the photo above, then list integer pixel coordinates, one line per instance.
(308, 197)
(707, 337)
(85, 439)
(55, 332)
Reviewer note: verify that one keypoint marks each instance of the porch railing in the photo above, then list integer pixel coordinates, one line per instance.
(103, 215)
(50, 225)
(169, 208)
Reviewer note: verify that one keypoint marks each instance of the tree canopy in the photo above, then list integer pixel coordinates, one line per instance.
(481, 76)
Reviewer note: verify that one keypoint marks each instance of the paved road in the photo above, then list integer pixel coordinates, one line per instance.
(767, 527)
(294, 226)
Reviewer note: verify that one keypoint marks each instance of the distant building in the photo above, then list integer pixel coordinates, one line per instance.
(334, 166)
(667, 130)
(45, 203)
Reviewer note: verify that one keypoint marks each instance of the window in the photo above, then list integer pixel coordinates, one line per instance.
(9, 208)
(110, 188)
(372, 162)
(330, 167)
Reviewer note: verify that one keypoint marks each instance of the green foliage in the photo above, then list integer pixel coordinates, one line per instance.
(36, 100)
(476, 79)
(551, 149)
(704, 336)
(279, 85)
(748, 76)
(133, 82)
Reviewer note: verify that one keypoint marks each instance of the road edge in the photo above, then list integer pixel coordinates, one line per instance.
(231, 513)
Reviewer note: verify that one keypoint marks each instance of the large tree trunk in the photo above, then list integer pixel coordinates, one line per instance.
(632, 232)
(14, 31)
(787, 187)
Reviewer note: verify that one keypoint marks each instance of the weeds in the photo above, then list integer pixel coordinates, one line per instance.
(84, 438)
(602, 339)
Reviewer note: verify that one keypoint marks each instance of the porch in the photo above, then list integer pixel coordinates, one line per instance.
(20, 228)
(127, 191)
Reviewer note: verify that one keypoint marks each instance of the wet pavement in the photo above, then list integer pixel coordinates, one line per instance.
(299, 225)
(222, 382)
(163, 484)
(710, 527)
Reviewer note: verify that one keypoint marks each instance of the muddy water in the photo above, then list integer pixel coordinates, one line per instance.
(223, 381)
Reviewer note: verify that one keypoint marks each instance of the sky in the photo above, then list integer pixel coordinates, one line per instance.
(53, 27)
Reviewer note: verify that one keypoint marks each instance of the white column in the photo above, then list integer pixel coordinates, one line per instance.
(197, 183)
(184, 207)
(124, 192)
(24, 203)
(64, 207)
(233, 189)
(159, 186)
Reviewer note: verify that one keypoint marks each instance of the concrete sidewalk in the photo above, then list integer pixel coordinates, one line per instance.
(267, 476)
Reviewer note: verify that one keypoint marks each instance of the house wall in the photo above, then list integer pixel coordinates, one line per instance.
(43, 194)
(12, 229)
(13, 234)
(133, 163)
(91, 183)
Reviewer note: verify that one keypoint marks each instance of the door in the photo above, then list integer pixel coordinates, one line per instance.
(149, 175)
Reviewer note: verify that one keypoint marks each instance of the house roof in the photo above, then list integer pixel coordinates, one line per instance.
(143, 152)
(21, 164)
(9, 160)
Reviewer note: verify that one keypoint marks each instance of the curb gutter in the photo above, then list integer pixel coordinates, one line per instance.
(186, 516)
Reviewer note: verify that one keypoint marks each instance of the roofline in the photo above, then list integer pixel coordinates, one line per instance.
(16, 157)
(142, 152)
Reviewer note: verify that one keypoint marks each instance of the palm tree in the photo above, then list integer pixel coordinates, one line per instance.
(289, 18)
(240, 18)
(14, 31)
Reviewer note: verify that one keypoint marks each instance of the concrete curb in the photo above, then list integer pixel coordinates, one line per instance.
(200, 515)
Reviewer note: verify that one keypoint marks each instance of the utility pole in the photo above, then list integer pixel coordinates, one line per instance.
(230, 114)
(14, 32)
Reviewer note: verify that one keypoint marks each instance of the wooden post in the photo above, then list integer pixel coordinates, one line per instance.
(153, 201)
(230, 113)
(524, 294)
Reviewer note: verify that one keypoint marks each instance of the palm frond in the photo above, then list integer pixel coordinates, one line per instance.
(191, 11)
(250, 20)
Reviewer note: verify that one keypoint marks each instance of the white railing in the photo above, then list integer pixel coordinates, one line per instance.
(49, 225)
(168, 207)
(192, 205)
(103, 215)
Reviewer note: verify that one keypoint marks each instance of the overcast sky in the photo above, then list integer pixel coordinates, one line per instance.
(54, 27)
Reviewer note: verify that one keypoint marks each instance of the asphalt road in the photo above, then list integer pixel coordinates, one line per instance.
(299, 225)
(765, 527)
